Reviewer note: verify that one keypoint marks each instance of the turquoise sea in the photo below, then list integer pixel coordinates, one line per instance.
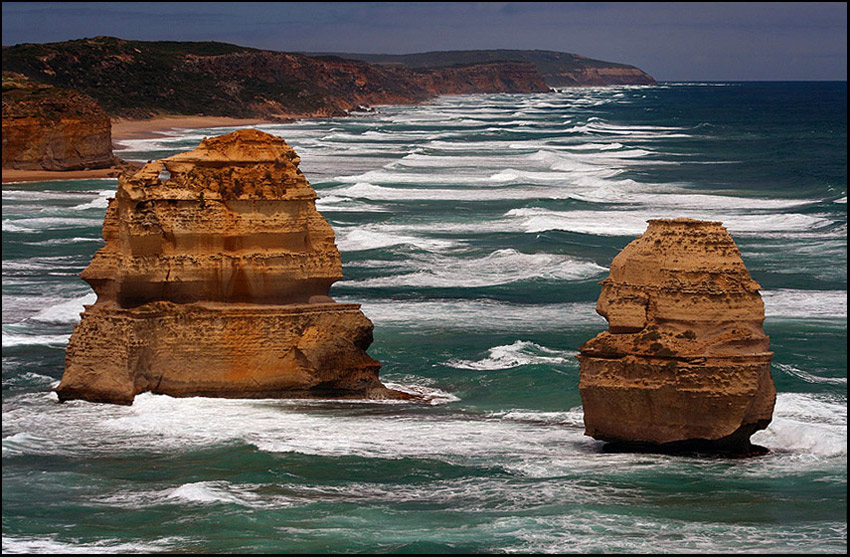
(474, 231)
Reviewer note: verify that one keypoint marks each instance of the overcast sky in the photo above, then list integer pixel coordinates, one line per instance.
(672, 41)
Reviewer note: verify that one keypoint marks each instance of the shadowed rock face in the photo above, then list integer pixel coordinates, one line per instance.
(685, 363)
(214, 281)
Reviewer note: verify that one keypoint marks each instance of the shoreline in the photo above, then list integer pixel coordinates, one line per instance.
(130, 129)
(147, 129)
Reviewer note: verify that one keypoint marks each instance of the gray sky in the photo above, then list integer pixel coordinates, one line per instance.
(673, 41)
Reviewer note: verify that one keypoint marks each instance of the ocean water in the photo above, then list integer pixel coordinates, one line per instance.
(474, 231)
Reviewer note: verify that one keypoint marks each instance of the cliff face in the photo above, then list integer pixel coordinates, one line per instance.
(685, 362)
(286, 85)
(214, 281)
(495, 77)
(49, 128)
(556, 69)
(595, 76)
(137, 79)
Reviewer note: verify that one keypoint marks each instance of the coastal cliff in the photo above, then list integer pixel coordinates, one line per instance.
(136, 79)
(214, 281)
(492, 77)
(50, 128)
(556, 69)
(685, 363)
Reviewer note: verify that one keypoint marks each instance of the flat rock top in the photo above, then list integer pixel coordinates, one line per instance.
(241, 146)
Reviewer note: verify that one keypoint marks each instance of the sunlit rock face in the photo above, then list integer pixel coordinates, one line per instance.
(685, 363)
(214, 281)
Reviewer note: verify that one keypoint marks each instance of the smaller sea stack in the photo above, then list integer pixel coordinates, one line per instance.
(685, 363)
(214, 281)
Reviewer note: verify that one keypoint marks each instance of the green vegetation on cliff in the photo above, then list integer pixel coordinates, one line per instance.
(128, 78)
(136, 79)
(558, 69)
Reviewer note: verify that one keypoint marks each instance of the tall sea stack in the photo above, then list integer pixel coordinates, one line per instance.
(214, 281)
(685, 363)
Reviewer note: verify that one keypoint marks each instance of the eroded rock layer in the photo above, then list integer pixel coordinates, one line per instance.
(685, 363)
(51, 128)
(214, 281)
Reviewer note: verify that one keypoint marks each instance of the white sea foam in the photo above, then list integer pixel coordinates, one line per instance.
(336, 204)
(37, 224)
(588, 530)
(430, 161)
(10, 226)
(100, 202)
(595, 146)
(385, 176)
(499, 267)
(807, 424)
(634, 222)
(63, 264)
(565, 175)
(206, 492)
(65, 241)
(803, 425)
(66, 311)
(13, 339)
(809, 377)
(670, 198)
(364, 190)
(45, 195)
(806, 304)
(218, 492)
(360, 239)
(28, 545)
(520, 353)
(479, 315)
(528, 443)
(271, 427)
(424, 393)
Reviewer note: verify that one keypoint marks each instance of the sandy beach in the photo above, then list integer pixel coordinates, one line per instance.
(129, 129)
(143, 129)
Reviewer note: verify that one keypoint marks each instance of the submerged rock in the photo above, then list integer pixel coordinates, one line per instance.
(214, 281)
(685, 363)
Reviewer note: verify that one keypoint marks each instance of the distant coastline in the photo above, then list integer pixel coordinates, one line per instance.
(143, 88)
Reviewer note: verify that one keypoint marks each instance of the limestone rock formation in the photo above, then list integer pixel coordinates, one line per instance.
(214, 281)
(50, 128)
(685, 363)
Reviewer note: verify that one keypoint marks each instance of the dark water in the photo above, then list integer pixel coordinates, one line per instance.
(474, 231)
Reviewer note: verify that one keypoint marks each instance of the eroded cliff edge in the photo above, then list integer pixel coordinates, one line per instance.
(685, 363)
(51, 128)
(214, 281)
